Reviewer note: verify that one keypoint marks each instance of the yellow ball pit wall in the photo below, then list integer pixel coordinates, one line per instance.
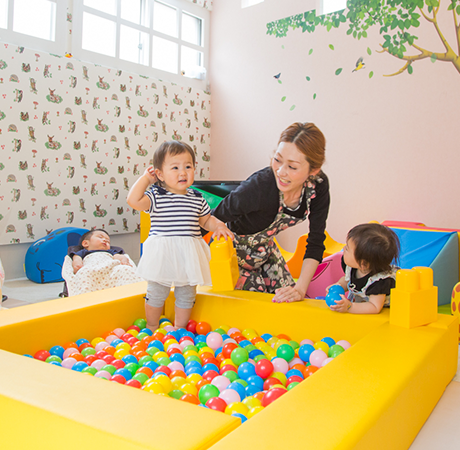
(375, 395)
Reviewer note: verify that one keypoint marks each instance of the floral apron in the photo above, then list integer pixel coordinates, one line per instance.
(262, 267)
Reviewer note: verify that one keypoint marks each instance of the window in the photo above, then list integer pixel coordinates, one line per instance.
(4, 14)
(167, 37)
(330, 6)
(247, 3)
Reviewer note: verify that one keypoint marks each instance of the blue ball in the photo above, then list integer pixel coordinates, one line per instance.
(217, 351)
(238, 388)
(79, 366)
(329, 341)
(115, 342)
(183, 332)
(241, 416)
(256, 381)
(194, 369)
(57, 350)
(81, 341)
(244, 343)
(125, 373)
(129, 359)
(146, 331)
(158, 344)
(251, 390)
(305, 352)
(331, 298)
(151, 365)
(210, 366)
(246, 370)
(255, 352)
(199, 338)
(266, 336)
(177, 357)
(337, 289)
(295, 372)
(55, 363)
(193, 364)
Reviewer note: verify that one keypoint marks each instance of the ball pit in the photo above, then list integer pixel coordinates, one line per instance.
(239, 373)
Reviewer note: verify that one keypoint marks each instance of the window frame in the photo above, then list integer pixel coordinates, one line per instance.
(181, 5)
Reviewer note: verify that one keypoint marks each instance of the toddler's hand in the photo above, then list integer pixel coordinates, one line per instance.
(222, 231)
(341, 306)
(151, 175)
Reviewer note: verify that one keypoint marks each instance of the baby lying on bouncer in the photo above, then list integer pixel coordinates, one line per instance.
(94, 265)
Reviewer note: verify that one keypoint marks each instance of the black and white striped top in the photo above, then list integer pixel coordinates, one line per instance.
(174, 214)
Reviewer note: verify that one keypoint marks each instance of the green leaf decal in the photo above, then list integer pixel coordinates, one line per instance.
(331, 46)
(280, 82)
(310, 52)
(338, 71)
(371, 74)
(292, 108)
(369, 51)
(308, 78)
(410, 70)
(314, 96)
(283, 98)
(433, 58)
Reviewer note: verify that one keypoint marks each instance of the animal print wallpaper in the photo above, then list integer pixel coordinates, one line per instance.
(75, 136)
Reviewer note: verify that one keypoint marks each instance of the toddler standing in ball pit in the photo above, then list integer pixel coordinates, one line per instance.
(369, 273)
(174, 252)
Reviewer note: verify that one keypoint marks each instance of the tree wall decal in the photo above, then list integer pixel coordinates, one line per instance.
(396, 19)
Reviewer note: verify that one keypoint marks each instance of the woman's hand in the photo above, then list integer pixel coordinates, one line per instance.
(288, 294)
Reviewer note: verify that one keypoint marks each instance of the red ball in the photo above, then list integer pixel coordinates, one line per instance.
(132, 341)
(269, 382)
(209, 375)
(100, 354)
(172, 351)
(240, 338)
(217, 404)
(210, 361)
(118, 363)
(118, 378)
(134, 383)
(264, 368)
(294, 378)
(227, 349)
(84, 345)
(186, 338)
(133, 327)
(42, 355)
(108, 359)
(90, 359)
(163, 369)
(191, 326)
(271, 395)
(203, 328)
(227, 367)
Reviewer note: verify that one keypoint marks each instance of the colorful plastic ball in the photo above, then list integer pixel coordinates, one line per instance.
(153, 387)
(146, 371)
(264, 368)
(280, 376)
(245, 370)
(230, 396)
(239, 356)
(317, 357)
(227, 349)
(134, 383)
(344, 344)
(255, 353)
(151, 365)
(251, 390)
(272, 395)
(103, 374)
(53, 358)
(238, 388)
(98, 364)
(88, 351)
(190, 398)
(231, 375)
(140, 323)
(259, 357)
(101, 346)
(68, 363)
(286, 352)
(221, 382)
(294, 372)
(280, 365)
(217, 404)
(118, 363)
(292, 385)
(57, 350)
(321, 345)
(210, 374)
(90, 359)
(310, 370)
(326, 361)
(202, 328)
(69, 352)
(305, 351)
(331, 298)
(191, 326)
(214, 340)
(78, 356)
(189, 388)
(335, 350)
(125, 373)
(141, 378)
(132, 367)
(294, 379)
(253, 411)
(269, 382)
(207, 392)
(109, 368)
(176, 393)
(79, 366)
(90, 370)
(336, 288)
(42, 355)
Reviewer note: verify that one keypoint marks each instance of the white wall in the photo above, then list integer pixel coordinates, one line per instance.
(392, 143)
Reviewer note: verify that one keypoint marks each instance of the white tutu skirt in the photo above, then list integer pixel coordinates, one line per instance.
(178, 261)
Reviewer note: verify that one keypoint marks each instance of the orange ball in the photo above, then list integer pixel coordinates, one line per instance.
(110, 350)
(201, 383)
(177, 373)
(256, 339)
(139, 354)
(190, 398)
(146, 370)
(78, 356)
(283, 336)
(310, 370)
(299, 367)
(70, 345)
(259, 395)
(203, 328)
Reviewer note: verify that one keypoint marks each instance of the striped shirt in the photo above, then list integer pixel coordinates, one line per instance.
(175, 215)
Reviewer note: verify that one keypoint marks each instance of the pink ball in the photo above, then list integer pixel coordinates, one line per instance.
(101, 346)
(229, 340)
(317, 357)
(344, 344)
(280, 365)
(111, 338)
(214, 340)
(220, 382)
(175, 346)
(233, 330)
(326, 361)
(103, 374)
(295, 361)
(98, 364)
(119, 332)
(176, 365)
(184, 344)
(307, 341)
(68, 352)
(68, 362)
(230, 396)
(170, 328)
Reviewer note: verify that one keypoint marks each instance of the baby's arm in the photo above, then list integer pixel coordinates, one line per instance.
(219, 229)
(122, 258)
(77, 263)
(373, 306)
(341, 282)
(136, 195)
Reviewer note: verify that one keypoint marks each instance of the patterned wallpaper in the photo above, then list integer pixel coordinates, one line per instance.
(75, 136)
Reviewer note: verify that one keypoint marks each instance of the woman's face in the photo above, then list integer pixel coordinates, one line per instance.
(291, 168)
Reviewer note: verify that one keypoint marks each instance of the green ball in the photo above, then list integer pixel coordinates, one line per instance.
(176, 393)
(152, 350)
(53, 358)
(335, 350)
(189, 347)
(144, 360)
(141, 336)
(231, 375)
(207, 392)
(141, 323)
(109, 368)
(200, 345)
(192, 358)
(141, 377)
(259, 357)
(286, 352)
(164, 361)
(220, 331)
(89, 369)
(294, 344)
(239, 355)
(88, 351)
(249, 348)
(132, 367)
(244, 383)
(292, 385)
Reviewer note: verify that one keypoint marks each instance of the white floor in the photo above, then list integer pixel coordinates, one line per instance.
(441, 430)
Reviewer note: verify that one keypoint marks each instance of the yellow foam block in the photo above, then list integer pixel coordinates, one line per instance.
(224, 265)
(414, 299)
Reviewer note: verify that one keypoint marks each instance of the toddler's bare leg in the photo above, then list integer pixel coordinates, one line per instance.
(153, 314)
(182, 316)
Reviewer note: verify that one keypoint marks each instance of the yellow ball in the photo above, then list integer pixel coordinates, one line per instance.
(280, 376)
(193, 378)
(156, 388)
(225, 328)
(164, 381)
(133, 332)
(166, 324)
(120, 353)
(278, 386)
(272, 341)
(169, 342)
(281, 342)
(96, 341)
(161, 330)
(226, 362)
(178, 382)
(270, 354)
(189, 388)
(249, 333)
(190, 353)
(320, 345)
(236, 407)
(251, 402)
(123, 345)
(252, 412)
(205, 350)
